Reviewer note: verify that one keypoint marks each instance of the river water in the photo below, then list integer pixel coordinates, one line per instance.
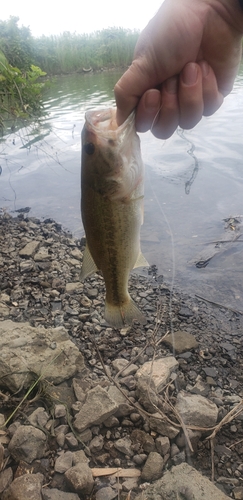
(193, 182)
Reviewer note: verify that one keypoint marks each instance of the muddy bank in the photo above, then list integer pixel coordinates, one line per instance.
(40, 288)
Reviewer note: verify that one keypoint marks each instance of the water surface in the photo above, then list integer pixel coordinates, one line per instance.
(193, 182)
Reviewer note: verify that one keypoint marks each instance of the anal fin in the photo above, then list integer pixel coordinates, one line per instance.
(88, 267)
(141, 261)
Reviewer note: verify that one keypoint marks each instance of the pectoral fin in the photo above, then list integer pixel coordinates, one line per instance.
(88, 266)
(141, 261)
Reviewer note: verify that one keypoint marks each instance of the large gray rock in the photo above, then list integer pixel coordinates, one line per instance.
(27, 352)
(27, 443)
(196, 410)
(180, 341)
(97, 408)
(25, 487)
(184, 482)
(158, 371)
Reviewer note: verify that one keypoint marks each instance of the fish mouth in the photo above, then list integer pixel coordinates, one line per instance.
(103, 122)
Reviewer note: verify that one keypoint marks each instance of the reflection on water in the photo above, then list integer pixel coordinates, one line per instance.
(194, 181)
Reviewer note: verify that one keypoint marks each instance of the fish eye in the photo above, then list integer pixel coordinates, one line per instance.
(89, 148)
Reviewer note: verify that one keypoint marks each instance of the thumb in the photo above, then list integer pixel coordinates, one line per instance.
(128, 90)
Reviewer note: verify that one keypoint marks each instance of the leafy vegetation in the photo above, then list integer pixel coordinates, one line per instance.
(20, 85)
(68, 53)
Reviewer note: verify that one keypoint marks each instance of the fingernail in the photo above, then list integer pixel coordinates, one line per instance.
(152, 99)
(171, 85)
(190, 74)
(205, 68)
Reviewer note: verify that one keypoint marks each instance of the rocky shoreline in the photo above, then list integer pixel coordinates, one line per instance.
(101, 413)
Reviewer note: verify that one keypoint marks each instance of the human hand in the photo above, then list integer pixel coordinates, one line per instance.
(185, 63)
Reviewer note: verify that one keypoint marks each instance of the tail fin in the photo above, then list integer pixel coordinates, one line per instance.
(119, 316)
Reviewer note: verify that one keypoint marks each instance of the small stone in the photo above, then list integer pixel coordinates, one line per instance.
(194, 437)
(42, 254)
(234, 399)
(111, 422)
(130, 484)
(196, 410)
(92, 293)
(106, 493)
(210, 381)
(80, 479)
(75, 287)
(96, 444)
(97, 408)
(55, 494)
(159, 371)
(6, 478)
(78, 390)
(143, 439)
(238, 492)
(162, 444)
(124, 446)
(174, 450)
(64, 462)
(25, 487)
(39, 417)
(139, 459)
(60, 439)
(162, 426)
(77, 254)
(26, 266)
(210, 371)
(179, 458)
(129, 382)
(29, 249)
(27, 443)
(71, 440)
(153, 467)
(130, 370)
(123, 407)
(119, 364)
(79, 457)
(1, 455)
(135, 417)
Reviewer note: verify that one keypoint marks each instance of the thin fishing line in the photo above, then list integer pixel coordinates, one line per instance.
(172, 256)
(172, 245)
(190, 152)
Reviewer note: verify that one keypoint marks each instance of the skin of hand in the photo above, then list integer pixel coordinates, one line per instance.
(185, 63)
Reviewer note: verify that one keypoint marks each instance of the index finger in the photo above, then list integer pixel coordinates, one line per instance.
(129, 89)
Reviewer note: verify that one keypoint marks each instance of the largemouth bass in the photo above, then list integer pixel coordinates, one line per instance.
(112, 191)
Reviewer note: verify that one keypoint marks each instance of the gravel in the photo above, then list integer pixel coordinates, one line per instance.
(40, 266)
